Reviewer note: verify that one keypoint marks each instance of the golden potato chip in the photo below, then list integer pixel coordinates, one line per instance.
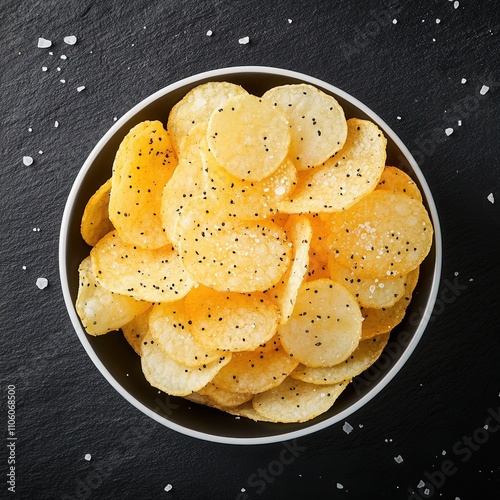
(99, 310)
(325, 326)
(197, 106)
(380, 321)
(320, 235)
(256, 371)
(296, 401)
(95, 220)
(222, 397)
(384, 234)
(378, 292)
(228, 254)
(284, 293)
(230, 321)
(317, 268)
(176, 379)
(346, 177)
(171, 328)
(135, 330)
(395, 180)
(317, 123)
(144, 163)
(151, 275)
(367, 352)
(248, 137)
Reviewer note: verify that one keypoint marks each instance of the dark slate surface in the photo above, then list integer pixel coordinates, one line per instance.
(433, 414)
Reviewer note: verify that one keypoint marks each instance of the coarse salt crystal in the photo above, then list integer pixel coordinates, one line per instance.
(30, 130)
(290, 21)
(62, 81)
(58, 68)
(427, 491)
(438, 21)
(443, 453)
(244, 40)
(115, 118)
(40, 152)
(491, 198)
(43, 43)
(484, 89)
(347, 428)
(210, 33)
(56, 124)
(27, 160)
(168, 487)
(459, 123)
(398, 459)
(448, 131)
(44, 68)
(398, 117)
(420, 484)
(70, 40)
(394, 21)
(463, 80)
(24, 268)
(456, 4)
(280, 190)
(63, 57)
(455, 273)
(42, 283)
(243, 490)
(79, 89)
(88, 457)
(340, 486)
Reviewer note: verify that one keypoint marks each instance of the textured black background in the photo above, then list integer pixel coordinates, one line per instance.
(127, 50)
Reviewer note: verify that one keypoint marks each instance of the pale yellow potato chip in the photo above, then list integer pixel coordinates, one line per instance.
(384, 234)
(144, 163)
(222, 397)
(230, 321)
(95, 220)
(346, 177)
(320, 235)
(173, 378)
(395, 180)
(248, 137)
(100, 310)
(325, 326)
(246, 410)
(170, 326)
(296, 401)
(317, 123)
(256, 371)
(197, 106)
(135, 330)
(228, 254)
(367, 352)
(151, 275)
(379, 292)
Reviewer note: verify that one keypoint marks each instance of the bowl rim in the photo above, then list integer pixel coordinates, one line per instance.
(391, 373)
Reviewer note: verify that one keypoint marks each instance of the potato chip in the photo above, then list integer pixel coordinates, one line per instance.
(230, 321)
(151, 275)
(395, 180)
(325, 326)
(378, 292)
(222, 397)
(95, 220)
(246, 410)
(367, 352)
(384, 234)
(344, 178)
(171, 328)
(248, 137)
(228, 254)
(135, 330)
(317, 268)
(284, 293)
(380, 321)
(320, 235)
(296, 401)
(99, 310)
(176, 379)
(144, 163)
(256, 371)
(317, 123)
(197, 106)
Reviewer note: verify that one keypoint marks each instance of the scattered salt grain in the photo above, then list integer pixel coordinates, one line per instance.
(463, 80)
(398, 459)
(456, 5)
(244, 40)
(79, 89)
(420, 484)
(44, 68)
(484, 89)
(62, 81)
(455, 273)
(237, 417)
(27, 160)
(448, 131)
(40, 152)
(58, 68)
(347, 428)
(24, 268)
(443, 453)
(438, 21)
(88, 457)
(168, 487)
(30, 130)
(427, 491)
(115, 118)
(280, 190)
(340, 486)
(459, 123)
(70, 40)
(42, 283)
(491, 198)
(63, 57)
(43, 43)
(51, 53)
(290, 21)
(210, 33)
(394, 21)
(398, 117)
(56, 124)
(243, 490)
(36, 229)
(360, 426)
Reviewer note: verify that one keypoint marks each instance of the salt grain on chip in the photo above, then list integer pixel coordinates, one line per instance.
(43, 43)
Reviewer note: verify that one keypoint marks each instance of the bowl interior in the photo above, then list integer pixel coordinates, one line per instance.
(121, 366)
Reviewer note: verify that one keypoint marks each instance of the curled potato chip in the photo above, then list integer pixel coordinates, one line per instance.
(197, 106)
(171, 328)
(296, 401)
(378, 292)
(395, 180)
(222, 397)
(248, 137)
(384, 234)
(135, 330)
(367, 352)
(346, 177)
(151, 275)
(95, 220)
(144, 163)
(176, 379)
(256, 371)
(100, 310)
(325, 326)
(226, 254)
(230, 321)
(317, 123)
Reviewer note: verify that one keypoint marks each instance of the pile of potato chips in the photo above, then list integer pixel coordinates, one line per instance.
(256, 252)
